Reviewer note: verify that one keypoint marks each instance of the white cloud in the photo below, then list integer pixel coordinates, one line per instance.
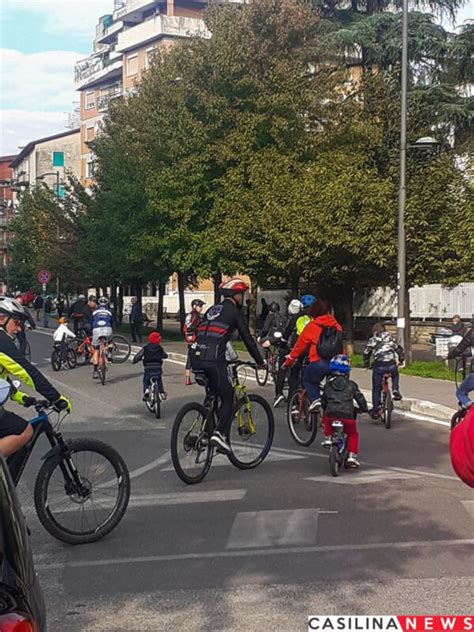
(40, 81)
(61, 16)
(19, 127)
(36, 91)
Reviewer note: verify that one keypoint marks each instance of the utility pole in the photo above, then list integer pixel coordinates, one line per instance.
(402, 307)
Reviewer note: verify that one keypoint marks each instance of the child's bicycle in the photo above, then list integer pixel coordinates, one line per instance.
(386, 401)
(153, 401)
(57, 361)
(338, 452)
(250, 437)
(83, 486)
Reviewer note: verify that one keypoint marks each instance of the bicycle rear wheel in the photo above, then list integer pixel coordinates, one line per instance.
(119, 350)
(251, 432)
(387, 404)
(102, 367)
(302, 424)
(191, 451)
(71, 358)
(79, 514)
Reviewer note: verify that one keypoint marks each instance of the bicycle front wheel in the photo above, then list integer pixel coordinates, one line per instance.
(84, 510)
(251, 432)
(302, 424)
(191, 451)
(119, 350)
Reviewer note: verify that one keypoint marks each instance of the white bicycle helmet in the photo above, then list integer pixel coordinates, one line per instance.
(13, 309)
(294, 307)
(104, 301)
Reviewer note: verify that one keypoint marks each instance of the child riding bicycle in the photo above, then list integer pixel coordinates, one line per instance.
(337, 401)
(60, 336)
(385, 352)
(152, 356)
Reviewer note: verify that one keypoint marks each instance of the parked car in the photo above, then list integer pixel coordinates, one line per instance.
(21, 599)
(27, 298)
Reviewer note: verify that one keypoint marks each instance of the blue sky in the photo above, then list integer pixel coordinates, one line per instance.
(40, 41)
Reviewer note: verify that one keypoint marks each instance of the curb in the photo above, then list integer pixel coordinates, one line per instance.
(417, 406)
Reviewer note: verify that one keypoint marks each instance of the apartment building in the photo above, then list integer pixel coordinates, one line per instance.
(124, 43)
(6, 214)
(50, 159)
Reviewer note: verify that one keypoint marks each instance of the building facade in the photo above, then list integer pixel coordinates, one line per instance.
(6, 214)
(50, 159)
(124, 44)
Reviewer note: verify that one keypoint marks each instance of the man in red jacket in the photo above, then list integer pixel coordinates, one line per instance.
(317, 367)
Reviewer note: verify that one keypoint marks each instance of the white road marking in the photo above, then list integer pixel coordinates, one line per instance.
(164, 458)
(469, 506)
(361, 478)
(220, 460)
(336, 548)
(258, 529)
(185, 498)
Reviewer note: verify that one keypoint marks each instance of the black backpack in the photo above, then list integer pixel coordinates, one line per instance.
(329, 343)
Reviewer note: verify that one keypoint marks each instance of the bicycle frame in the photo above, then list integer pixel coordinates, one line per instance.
(42, 425)
(338, 436)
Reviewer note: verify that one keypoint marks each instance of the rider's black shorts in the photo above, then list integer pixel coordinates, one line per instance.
(11, 424)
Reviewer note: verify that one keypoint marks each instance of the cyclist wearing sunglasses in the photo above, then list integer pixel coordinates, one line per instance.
(15, 431)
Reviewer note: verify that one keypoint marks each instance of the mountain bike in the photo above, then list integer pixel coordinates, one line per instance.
(82, 488)
(82, 348)
(271, 356)
(118, 349)
(250, 437)
(153, 401)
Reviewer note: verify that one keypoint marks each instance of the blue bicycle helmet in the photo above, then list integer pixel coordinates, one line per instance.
(307, 300)
(340, 364)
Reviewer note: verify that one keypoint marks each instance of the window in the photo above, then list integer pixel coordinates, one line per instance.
(90, 100)
(58, 159)
(132, 65)
(90, 169)
(90, 133)
(150, 52)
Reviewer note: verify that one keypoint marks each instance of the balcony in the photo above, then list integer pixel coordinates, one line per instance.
(160, 26)
(106, 35)
(103, 102)
(132, 11)
(96, 68)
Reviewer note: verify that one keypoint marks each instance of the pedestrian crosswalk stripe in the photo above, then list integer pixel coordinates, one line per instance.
(220, 460)
(361, 478)
(259, 529)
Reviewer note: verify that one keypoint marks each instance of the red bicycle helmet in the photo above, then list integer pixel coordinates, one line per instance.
(233, 287)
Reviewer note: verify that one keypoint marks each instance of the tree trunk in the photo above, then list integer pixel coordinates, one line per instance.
(160, 310)
(217, 279)
(113, 296)
(182, 306)
(120, 305)
(253, 305)
(295, 284)
(347, 300)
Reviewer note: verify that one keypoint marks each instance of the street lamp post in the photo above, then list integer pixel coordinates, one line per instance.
(40, 177)
(401, 280)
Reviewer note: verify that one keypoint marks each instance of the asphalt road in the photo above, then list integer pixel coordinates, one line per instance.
(256, 550)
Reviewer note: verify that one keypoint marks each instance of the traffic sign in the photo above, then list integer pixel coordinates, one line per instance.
(44, 276)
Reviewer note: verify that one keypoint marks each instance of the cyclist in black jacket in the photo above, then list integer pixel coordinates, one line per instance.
(208, 353)
(15, 431)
